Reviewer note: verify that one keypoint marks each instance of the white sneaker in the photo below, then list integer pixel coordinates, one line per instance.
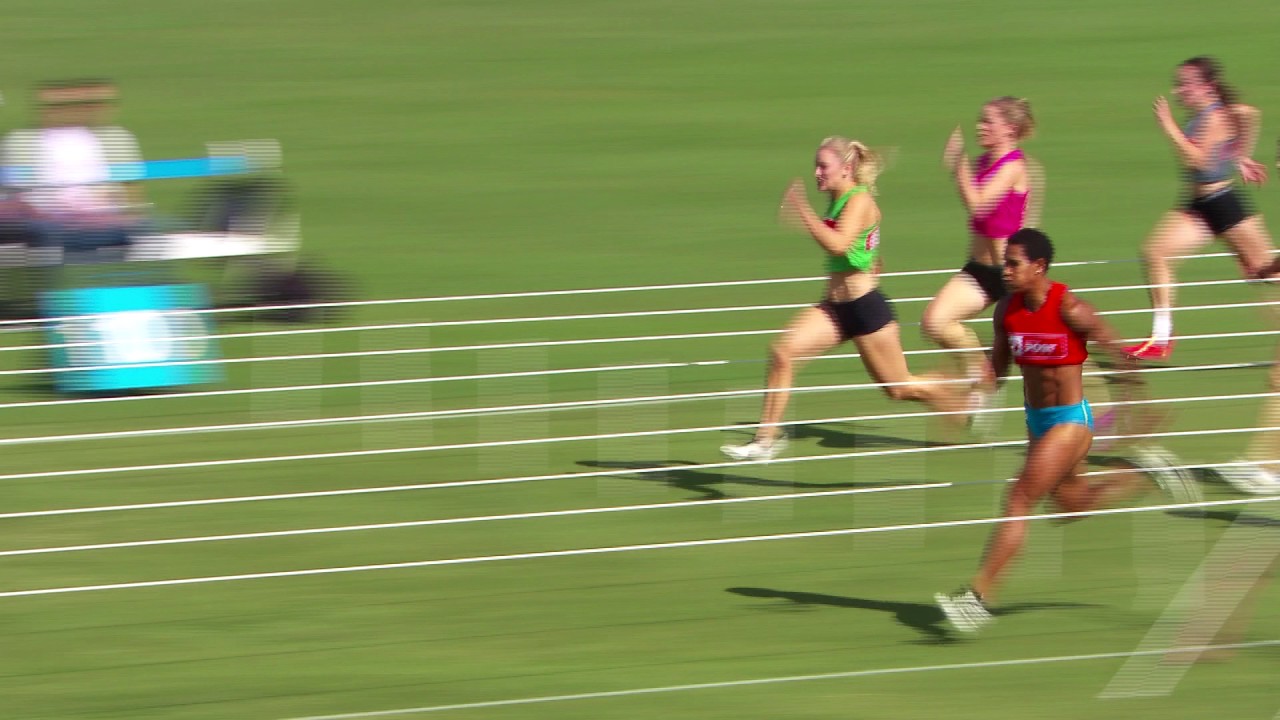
(755, 450)
(964, 610)
(1250, 479)
(1166, 470)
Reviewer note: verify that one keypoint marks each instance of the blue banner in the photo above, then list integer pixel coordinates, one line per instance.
(146, 170)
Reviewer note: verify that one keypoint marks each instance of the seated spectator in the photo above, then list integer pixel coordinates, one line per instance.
(62, 171)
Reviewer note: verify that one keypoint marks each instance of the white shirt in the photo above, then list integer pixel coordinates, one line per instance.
(66, 170)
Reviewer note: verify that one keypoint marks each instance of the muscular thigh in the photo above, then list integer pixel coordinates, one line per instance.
(1178, 233)
(882, 354)
(810, 333)
(1053, 458)
(1251, 244)
(960, 299)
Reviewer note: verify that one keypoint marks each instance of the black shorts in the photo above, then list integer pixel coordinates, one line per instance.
(1221, 211)
(989, 277)
(859, 317)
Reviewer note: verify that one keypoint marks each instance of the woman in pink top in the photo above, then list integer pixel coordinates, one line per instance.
(995, 191)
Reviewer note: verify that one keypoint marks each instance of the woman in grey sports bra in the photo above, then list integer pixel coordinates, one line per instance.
(1212, 146)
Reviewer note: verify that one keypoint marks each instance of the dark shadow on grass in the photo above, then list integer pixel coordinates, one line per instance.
(842, 436)
(1227, 516)
(924, 618)
(848, 437)
(44, 388)
(710, 484)
(1109, 459)
(34, 387)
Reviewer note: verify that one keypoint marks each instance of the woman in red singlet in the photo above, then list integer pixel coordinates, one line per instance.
(1043, 327)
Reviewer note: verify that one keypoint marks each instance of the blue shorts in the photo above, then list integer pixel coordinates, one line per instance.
(1039, 420)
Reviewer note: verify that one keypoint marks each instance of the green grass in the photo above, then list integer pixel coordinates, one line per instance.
(494, 146)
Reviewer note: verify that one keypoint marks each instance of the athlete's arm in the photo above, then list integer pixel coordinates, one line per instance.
(1000, 356)
(1130, 390)
(858, 215)
(1193, 152)
(980, 199)
(1035, 192)
(1249, 118)
(1081, 317)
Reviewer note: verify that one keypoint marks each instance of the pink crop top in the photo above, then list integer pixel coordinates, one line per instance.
(1006, 216)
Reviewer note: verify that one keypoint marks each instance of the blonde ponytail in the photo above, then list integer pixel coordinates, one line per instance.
(1017, 112)
(867, 163)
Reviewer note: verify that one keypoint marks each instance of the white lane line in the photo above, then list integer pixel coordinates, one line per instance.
(679, 504)
(850, 674)
(613, 549)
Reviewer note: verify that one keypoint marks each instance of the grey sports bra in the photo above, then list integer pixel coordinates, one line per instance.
(1221, 159)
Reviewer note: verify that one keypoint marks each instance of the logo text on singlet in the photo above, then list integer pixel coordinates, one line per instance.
(873, 238)
(1038, 346)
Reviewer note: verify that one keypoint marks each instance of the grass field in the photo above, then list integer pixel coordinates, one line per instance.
(491, 146)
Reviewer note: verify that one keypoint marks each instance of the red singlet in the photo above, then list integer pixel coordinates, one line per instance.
(1041, 337)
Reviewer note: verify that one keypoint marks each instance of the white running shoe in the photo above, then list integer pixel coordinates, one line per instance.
(1166, 470)
(965, 610)
(1250, 479)
(755, 450)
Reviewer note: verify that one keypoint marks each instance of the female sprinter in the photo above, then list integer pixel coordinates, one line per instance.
(853, 307)
(1215, 142)
(995, 192)
(1043, 327)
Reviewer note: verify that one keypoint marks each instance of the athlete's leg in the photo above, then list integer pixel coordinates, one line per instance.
(811, 333)
(1050, 460)
(1078, 494)
(1098, 393)
(959, 299)
(882, 356)
(1251, 243)
(1264, 447)
(1177, 233)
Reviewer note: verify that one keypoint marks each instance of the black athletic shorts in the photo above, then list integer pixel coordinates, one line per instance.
(859, 317)
(1221, 211)
(989, 277)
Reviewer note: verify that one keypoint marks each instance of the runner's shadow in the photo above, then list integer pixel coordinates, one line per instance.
(1112, 460)
(1227, 516)
(829, 436)
(682, 474)
(926, 619)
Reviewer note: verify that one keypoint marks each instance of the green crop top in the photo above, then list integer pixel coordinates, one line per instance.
(864, 249)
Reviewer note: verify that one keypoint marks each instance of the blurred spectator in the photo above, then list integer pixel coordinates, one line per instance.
(69, 174)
